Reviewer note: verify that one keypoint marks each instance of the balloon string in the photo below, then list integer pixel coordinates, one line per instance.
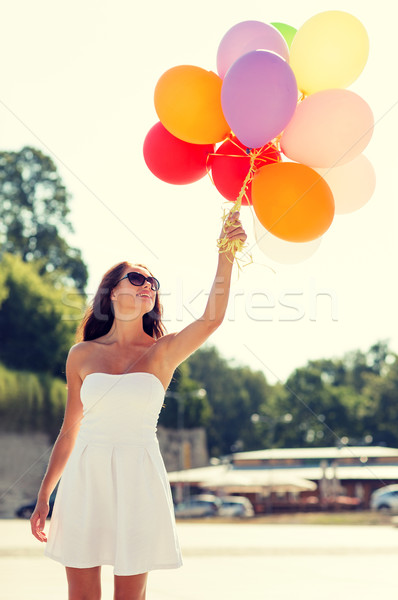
(265, 160)
(233, 246)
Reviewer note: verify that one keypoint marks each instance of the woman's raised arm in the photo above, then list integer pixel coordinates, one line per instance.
(178, 346)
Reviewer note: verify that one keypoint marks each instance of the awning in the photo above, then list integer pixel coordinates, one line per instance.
(225, 476)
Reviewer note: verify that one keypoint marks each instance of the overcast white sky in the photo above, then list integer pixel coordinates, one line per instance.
(78, 81)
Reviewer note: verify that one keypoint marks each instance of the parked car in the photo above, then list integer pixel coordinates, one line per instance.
(385, 498)
(236, 506)
(25, 511)
(202, 505)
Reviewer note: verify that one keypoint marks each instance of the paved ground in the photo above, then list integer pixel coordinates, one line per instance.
(231, 562)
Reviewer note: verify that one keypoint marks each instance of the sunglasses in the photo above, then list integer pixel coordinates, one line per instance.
(139, 279)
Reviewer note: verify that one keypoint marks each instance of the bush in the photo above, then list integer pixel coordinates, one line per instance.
(31, 401)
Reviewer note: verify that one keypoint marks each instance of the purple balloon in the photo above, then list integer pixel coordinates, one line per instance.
(246, 37)
(258, 97)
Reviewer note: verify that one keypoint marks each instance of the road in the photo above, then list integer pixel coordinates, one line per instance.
(231, 562)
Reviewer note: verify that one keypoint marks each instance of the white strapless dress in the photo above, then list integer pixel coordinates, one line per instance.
(114, 505)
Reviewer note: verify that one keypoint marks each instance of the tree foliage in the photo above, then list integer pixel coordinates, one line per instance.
(234, 393)
(34, 216)
(382, 389)
(31, 401)
(37, 320)
(353, 399)
(186, 404)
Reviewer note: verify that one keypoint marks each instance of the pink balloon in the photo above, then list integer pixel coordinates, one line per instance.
(246, 37)
(329, 128)
(258, 97)
(352, 184)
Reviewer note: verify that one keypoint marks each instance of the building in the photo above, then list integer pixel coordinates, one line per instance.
(299, 478)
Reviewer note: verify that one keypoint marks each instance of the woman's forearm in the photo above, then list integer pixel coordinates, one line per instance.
(218, 298)
(232, 231)
(59, 457)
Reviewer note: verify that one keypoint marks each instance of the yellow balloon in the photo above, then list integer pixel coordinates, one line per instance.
(188, 104)
(329, 51)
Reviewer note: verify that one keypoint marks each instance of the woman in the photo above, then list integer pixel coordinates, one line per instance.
(114, 504)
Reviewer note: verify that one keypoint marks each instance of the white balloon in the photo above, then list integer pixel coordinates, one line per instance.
(280, 250)
(352, 184)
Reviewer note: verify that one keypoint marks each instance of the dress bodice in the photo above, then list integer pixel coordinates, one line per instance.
(122, 409)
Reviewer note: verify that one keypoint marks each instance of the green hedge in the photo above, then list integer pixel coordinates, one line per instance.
(31, 401)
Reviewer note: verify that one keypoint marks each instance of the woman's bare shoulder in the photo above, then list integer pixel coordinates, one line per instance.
(161, 343)
(160, 350)
(167, 336)
(78, 354)
(80, 349)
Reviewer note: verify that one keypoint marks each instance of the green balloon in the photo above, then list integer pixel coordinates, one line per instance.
(287, 31)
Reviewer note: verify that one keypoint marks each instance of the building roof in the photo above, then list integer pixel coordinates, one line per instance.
(293, 477)
(318, 453)
(225, 476)
(382, 473)
(282, 478)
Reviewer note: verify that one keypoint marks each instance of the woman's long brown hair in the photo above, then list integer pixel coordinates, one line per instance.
(99, 317)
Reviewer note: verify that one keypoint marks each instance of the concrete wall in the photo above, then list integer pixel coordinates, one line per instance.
(24, 458)
(183, 449)
(23, 461)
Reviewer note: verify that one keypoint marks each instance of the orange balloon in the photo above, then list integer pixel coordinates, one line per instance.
(292, 201)
(188, 104)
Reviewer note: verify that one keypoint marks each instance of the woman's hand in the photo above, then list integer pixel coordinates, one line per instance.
(234, 231)
(38, 520)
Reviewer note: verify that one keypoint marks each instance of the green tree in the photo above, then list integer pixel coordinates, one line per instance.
(234, 393)
(382, 394)
(334, 371)
(331, 399)
(37, 321)
(319, 415)
(186, 403)
(34, 216)
(31, 401)
(359, 365)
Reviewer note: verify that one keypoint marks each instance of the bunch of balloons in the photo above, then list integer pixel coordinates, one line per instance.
(276, 128)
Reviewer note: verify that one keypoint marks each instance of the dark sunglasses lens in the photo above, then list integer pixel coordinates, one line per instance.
(139, 279)
(136, 278)
(155, 285)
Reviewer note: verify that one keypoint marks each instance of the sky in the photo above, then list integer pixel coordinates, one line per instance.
(77, 82)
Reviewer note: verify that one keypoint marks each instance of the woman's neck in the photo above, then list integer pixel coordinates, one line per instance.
(127, 332)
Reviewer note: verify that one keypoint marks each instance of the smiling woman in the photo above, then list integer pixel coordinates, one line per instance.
(114, 503)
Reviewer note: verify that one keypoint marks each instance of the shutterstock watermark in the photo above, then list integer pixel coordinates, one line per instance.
(310, 302)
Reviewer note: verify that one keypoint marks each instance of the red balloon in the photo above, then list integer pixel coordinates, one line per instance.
(173, 160)
(231, 163)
